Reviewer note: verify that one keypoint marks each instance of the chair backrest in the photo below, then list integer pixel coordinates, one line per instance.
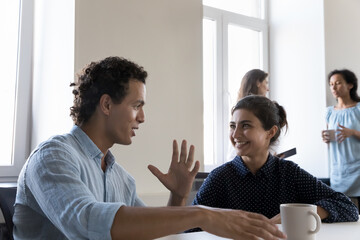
(7, 200)
(199, 179)
(325, 180)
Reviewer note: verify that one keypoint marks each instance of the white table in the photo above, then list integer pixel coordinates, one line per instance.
(328, 231)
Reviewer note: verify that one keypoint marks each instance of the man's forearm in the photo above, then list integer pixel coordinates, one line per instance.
(176, 200)
(153, 222)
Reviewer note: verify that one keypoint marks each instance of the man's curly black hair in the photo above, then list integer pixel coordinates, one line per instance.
(109, 76)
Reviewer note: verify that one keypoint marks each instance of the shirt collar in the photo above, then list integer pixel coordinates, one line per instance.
(89, 146)
(266, 170)
(240, 166)
(269, 166)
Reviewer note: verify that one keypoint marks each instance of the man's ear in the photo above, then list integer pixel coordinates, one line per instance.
(105, 104)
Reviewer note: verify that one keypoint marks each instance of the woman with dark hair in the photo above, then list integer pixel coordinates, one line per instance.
(343, 134)
(254, 82)
(257, 181)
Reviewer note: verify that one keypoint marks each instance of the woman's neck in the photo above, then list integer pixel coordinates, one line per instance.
(254, 163)
(343, 103)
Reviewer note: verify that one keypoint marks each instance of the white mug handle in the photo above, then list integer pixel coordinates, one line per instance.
(318, 222)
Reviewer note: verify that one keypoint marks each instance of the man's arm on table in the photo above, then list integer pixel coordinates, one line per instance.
(154, 222)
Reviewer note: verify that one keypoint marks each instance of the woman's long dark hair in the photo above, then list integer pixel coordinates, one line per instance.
(249, 83)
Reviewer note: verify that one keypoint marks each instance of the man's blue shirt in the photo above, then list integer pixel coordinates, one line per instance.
(64, 194)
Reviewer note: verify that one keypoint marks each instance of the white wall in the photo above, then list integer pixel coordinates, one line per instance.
(166, 38)
(342, 38)
(308, 39)
(297, 78)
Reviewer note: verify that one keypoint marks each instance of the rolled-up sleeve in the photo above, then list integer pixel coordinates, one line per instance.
(100, 222)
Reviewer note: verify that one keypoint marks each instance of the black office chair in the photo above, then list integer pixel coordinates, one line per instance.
(199, 179)
(325, 180)
(7, 200)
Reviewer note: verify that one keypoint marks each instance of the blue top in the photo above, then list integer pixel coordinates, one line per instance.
(64, 194)
(345, 156)
(279, 181)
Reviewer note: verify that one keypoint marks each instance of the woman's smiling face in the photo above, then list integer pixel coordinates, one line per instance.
(247, 134)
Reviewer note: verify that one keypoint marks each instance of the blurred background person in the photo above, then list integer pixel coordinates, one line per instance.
(254, 82)
(343, 135)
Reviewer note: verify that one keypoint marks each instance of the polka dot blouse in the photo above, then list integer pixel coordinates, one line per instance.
(279, 181)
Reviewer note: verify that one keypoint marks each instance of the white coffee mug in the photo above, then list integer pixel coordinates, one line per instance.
(300, 221)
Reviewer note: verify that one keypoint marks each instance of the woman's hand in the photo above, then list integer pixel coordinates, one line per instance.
(343, 133)
(325, 136)
(180, 176)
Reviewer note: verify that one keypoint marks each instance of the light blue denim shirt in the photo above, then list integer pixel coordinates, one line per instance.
(64, 194)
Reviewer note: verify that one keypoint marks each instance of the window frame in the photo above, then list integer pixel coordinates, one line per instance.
(222, 109)
(22, 117)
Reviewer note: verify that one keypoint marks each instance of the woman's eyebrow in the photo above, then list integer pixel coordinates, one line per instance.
(241, 122)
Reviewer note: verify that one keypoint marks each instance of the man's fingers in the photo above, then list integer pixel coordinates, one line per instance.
(185, 157)
(190, 158)
(175, 155)
(157, 173)
(196, 168)
(276, 219)
(183, 152)
(264, 228)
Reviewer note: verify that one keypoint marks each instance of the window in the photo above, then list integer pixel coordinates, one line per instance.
(36, 50)
(233, 42)
(9, 25)
(16, 24)
(251, 8)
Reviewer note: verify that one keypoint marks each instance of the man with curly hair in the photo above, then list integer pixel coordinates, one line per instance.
(72, 188)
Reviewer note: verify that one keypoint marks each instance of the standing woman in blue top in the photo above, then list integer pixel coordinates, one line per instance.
(257, 181)
(344, 117)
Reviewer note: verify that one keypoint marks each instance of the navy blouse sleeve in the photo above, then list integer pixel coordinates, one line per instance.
(212, 192)
(311, 190)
